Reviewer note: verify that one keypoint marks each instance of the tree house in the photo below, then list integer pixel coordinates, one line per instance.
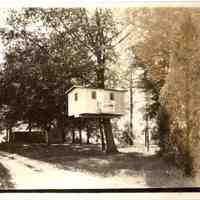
(95, 102)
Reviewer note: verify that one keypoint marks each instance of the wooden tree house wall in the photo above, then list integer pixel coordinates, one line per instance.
(91, 101)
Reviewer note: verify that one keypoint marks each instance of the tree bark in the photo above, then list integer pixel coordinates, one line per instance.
(100, 78)
(110, 144)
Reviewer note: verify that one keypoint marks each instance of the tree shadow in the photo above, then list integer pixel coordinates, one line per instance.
(5, 179)
(90, 159)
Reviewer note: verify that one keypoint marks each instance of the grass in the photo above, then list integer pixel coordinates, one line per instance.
(5, 178)
(90, 159)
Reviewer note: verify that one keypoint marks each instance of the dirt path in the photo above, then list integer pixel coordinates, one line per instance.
(32, 174)
(120, 171)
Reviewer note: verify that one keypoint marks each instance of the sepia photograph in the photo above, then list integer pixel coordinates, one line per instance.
(99, 97)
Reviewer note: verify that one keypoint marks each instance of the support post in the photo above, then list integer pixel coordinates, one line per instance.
(29, 126)
(88, 134)
(47, 137)
(80, 132)
(73, 135)
(7, 136)
(147, 142)
(102, 135)
(11, 135)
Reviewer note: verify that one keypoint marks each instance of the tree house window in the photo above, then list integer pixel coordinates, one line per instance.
(94, 95)
(112, 97)
(76, 96)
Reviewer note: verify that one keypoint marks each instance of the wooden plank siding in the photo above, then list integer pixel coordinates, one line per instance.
(82, 101)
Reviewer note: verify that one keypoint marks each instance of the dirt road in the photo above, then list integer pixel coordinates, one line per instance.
(32, 174)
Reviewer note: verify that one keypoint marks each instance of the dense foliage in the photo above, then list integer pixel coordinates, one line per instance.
(170, 49)
(48, 51)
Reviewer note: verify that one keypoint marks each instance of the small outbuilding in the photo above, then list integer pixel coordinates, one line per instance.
(85, 102)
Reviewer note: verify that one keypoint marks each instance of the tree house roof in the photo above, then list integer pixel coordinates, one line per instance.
(94, 88)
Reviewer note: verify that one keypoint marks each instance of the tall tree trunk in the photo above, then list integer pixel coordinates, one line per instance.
(131, 109)
(187, 43)
(147, 126)
(100, 78)
(102, 135)
(100, 54)
(147, 142)
(110, 144)
(188, 165)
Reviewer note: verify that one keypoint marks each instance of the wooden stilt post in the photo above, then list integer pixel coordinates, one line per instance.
(72, 122)
(29, 127)
(80, 132)
(102, 135)
(73, 135)
(88, 134)
(11, 135)
(47, 137)
(147, 142)
(7, 136)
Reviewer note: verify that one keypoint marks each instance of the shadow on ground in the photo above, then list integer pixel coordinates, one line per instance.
(89, 159)
(5, 178)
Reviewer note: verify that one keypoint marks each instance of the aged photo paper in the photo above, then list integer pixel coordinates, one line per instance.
(101, 97)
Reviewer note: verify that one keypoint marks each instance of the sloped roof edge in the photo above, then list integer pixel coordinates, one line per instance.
(108, 89)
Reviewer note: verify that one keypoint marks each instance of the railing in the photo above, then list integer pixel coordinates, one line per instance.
(105, 107)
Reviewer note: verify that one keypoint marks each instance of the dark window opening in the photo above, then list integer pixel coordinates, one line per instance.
(76, 96)
(94, 95)
(112, 97)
